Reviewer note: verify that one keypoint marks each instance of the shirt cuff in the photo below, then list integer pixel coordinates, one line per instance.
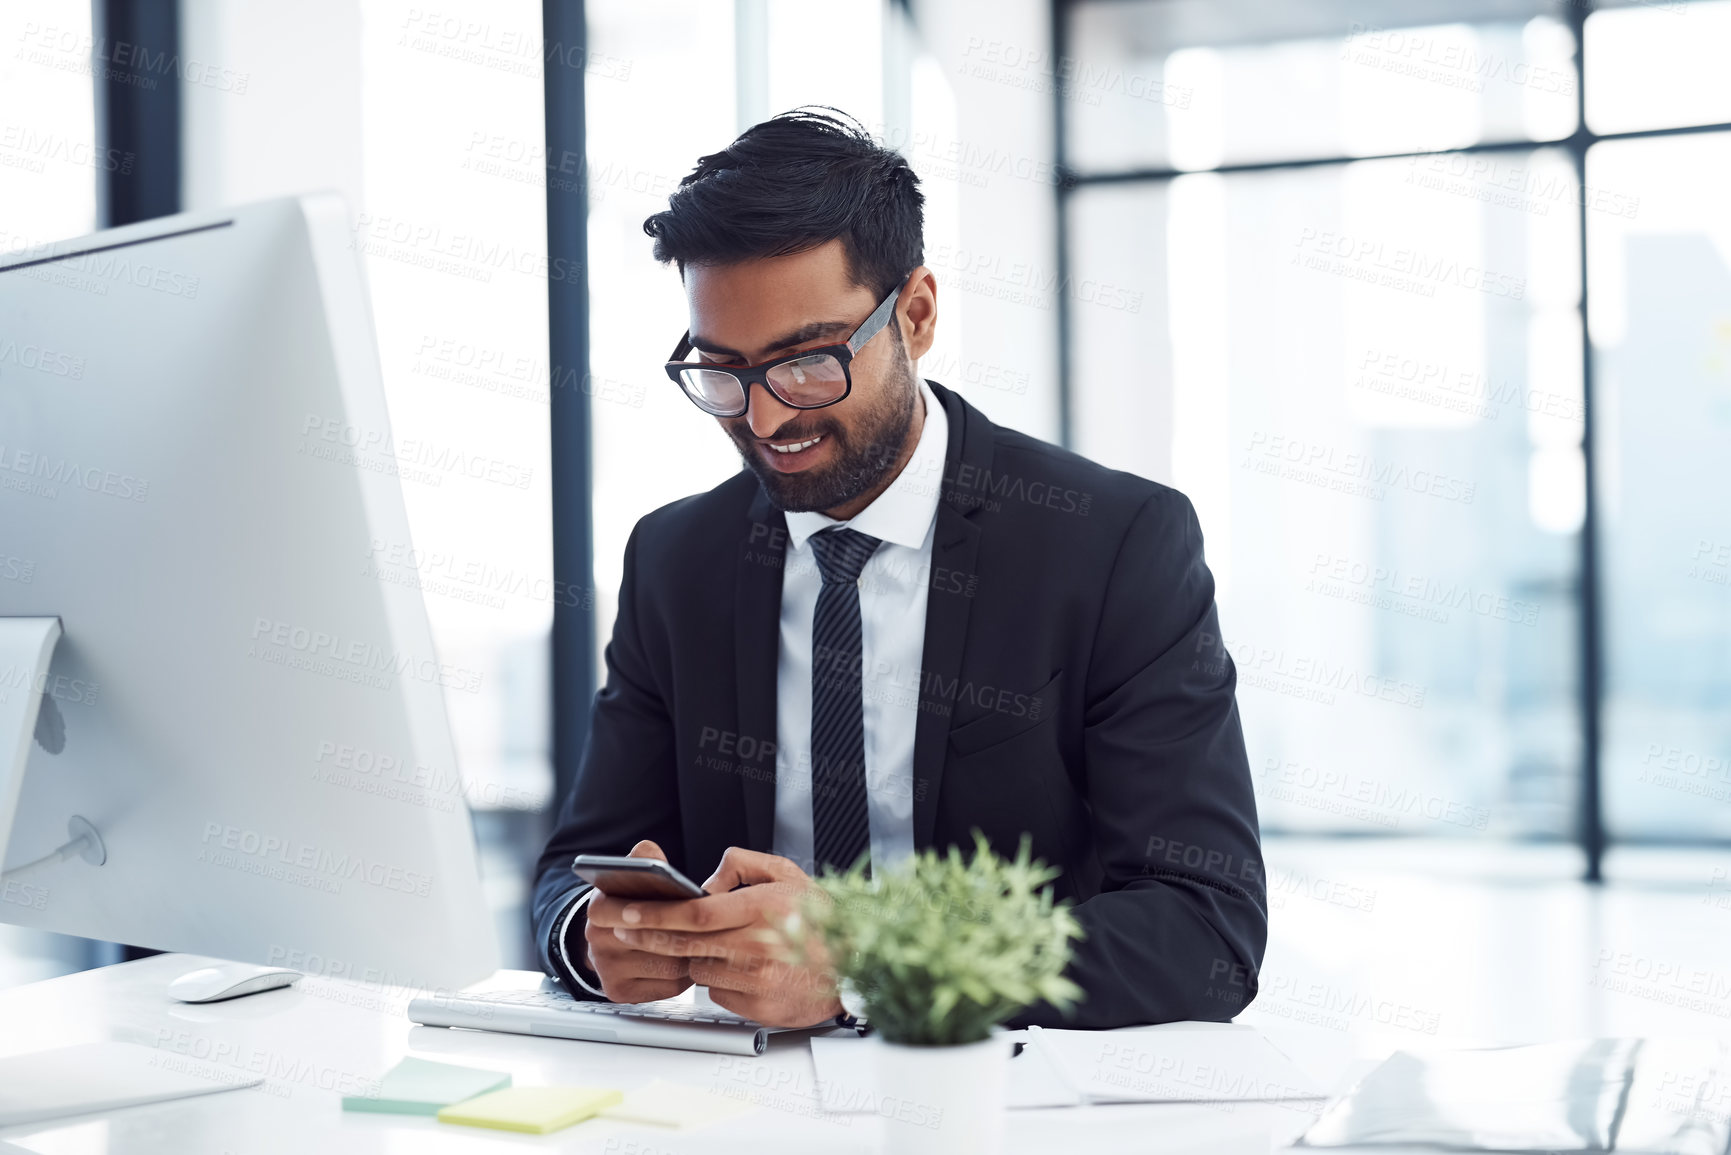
(561, 934)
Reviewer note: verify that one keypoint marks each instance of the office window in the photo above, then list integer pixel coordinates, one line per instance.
(651, 445)
(1660, 304)
(453, 230)
(1658, 63)
(1366, 375)
(50, 160)
(1192, 86)
(800, 69)
(1369, 376)
(1373, 382)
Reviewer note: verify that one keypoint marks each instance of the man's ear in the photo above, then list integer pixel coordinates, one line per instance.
(917, 312)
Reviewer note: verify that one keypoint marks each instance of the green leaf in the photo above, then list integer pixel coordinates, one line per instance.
(944, 947)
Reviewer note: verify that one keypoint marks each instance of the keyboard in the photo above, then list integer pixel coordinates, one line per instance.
(682, 1023)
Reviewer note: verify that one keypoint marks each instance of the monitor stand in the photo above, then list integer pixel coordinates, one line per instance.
(26, 649)
(97, 1076)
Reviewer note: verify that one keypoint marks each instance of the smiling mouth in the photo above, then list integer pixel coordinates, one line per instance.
(794, 446)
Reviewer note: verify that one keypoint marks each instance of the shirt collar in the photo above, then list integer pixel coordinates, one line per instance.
(904, 512)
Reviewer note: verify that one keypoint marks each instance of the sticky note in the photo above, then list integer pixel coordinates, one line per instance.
(673, 1105)
(421, 1087)
(536, 1110)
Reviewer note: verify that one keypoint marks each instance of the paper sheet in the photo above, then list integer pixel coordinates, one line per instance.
(1179, 1062)
(1176, 1063)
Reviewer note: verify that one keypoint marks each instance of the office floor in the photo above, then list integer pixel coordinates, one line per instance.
(1426, 941)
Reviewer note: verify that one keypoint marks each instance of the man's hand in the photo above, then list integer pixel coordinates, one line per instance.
(730, 942)
(630, 975)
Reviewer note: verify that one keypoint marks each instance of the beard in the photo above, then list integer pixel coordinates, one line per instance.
(865, 453)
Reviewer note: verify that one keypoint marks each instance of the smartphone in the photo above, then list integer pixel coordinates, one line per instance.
(618, 877)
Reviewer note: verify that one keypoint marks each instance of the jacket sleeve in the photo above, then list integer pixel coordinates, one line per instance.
(626, 786)
(1178, 929)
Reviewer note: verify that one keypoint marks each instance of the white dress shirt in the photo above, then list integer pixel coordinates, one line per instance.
(893, 588)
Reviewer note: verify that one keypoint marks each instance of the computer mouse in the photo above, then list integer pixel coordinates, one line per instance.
(228, 981)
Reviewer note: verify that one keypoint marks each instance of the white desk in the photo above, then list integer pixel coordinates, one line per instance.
(1464, 945)
(315, 1041)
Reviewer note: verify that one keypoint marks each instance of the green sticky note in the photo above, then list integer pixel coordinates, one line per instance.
(421, 1087)
(536, 1110)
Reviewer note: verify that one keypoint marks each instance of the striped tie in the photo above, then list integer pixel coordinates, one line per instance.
(841, 827)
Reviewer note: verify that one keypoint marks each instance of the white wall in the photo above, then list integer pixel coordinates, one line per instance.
(997, 271)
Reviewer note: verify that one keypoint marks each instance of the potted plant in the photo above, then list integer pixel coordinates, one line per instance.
(935, 955)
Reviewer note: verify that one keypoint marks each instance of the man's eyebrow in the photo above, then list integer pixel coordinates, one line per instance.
(800, 336)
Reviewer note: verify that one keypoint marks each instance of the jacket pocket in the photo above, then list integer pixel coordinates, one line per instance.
(1000, 725)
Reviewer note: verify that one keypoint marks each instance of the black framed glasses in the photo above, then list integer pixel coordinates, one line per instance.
(809, 379)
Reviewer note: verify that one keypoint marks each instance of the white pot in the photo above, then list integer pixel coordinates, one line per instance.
(944, 1099)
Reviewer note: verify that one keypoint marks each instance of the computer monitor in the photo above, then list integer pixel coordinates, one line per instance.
(197, 475)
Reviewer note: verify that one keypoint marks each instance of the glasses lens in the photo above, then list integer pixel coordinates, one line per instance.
(813, 380)
(715, 392)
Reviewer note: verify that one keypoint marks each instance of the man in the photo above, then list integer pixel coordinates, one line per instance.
(898, 624)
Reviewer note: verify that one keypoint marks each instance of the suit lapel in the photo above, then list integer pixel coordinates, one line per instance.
(756, 651)
(949, 597)
(954, 547)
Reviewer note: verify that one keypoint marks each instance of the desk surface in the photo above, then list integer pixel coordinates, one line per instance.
(322, 1038)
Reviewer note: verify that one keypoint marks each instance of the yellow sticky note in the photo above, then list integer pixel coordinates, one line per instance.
(535, 1110)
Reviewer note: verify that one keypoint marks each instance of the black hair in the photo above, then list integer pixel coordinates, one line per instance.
(792, 183)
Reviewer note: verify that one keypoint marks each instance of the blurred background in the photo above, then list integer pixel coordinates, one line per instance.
(1425, 304)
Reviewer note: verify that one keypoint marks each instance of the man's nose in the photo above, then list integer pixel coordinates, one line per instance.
(766, 412)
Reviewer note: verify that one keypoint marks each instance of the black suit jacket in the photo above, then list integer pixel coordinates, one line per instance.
(1074, 687)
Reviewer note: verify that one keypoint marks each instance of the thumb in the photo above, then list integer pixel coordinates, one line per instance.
(647, 849)
(741, 867)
